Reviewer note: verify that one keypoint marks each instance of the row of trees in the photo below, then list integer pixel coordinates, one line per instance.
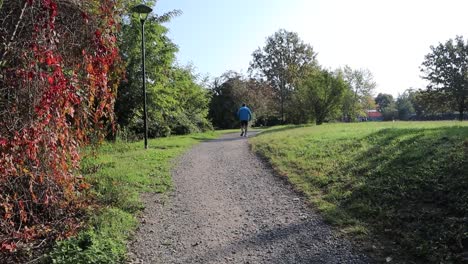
(417, 105)
(446, 96)
(286, 84)
(402, 108)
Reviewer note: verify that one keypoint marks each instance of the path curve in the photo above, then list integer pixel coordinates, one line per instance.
(229, 207)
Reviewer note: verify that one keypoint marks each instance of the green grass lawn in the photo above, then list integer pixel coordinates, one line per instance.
(405, 182)
(119, 173)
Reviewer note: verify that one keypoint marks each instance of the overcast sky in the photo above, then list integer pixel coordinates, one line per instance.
(390, 38)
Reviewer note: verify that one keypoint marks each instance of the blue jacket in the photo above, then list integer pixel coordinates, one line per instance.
(244, 114)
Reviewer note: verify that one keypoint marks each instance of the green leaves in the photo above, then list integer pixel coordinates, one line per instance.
(232, 89)
(320, 94)
(386, 106)
(446, 68)
(361, 85)
(176, 103)
(283, 61)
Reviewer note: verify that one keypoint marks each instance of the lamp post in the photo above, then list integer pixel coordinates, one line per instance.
(143, 11)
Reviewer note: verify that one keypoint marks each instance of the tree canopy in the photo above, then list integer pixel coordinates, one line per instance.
(232, 89)
(446, 68)
(283, 60)
(386, 106)
(176, 102)
(361, 86)
(319, 95)
(405, 105)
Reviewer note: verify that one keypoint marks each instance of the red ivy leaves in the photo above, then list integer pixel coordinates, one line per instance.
(39, 181)
(8, 246)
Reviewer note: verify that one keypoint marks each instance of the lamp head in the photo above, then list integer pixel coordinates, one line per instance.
(143, 11)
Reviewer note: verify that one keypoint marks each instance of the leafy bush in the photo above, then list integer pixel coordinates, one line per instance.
(100, 243)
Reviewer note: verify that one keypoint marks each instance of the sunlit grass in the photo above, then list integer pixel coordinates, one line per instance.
(407, 181)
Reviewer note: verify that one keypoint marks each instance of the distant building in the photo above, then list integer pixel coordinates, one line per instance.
(374, 115)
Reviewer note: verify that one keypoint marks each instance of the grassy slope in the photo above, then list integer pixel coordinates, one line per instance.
(406, 182)
(119, 173)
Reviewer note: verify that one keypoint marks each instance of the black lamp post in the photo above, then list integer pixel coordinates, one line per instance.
(143, 12)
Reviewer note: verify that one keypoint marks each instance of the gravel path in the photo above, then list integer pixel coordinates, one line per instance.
(228, 207)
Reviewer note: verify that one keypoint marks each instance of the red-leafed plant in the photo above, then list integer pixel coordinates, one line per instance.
(58, 78)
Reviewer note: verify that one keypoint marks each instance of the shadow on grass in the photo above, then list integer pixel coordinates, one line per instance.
(236, 137)
(412, 185)
(202, 138)
(282, 128)
(228, 137)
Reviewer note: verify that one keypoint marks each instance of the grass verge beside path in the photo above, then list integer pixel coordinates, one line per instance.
(404, 182)
(119, 174)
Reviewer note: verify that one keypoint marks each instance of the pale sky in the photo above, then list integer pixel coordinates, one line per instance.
(390, 38)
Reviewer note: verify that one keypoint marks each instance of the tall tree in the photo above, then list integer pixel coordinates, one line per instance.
(176, 102)
(384, 101)
(405, 106)
(386, 106)
(182, 103)
(446, 68)
(284, 59)
(320, 94)
(428, 104)
(160, 55)
(227, 95)
(232, 89)
(361, 85)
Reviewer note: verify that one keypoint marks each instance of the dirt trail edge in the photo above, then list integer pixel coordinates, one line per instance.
(229, 207)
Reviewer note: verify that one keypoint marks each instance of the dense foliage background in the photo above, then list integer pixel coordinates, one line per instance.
(177, 100)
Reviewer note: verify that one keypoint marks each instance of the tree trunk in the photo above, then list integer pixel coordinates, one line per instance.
(282, 108)
(282, 102)
(461, 108)
(319, 119)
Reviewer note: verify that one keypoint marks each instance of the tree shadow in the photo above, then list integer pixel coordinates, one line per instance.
(282, 128)
(227, 137)
(294, 243)
(412, 186)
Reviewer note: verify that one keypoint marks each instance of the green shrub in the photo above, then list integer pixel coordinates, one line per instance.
(102, 242)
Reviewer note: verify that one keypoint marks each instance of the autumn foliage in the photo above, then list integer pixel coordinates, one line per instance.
(57, 90)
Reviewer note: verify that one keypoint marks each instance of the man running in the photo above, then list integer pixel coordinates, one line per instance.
(245, 116)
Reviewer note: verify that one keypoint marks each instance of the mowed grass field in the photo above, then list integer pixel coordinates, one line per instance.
(404, 184)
